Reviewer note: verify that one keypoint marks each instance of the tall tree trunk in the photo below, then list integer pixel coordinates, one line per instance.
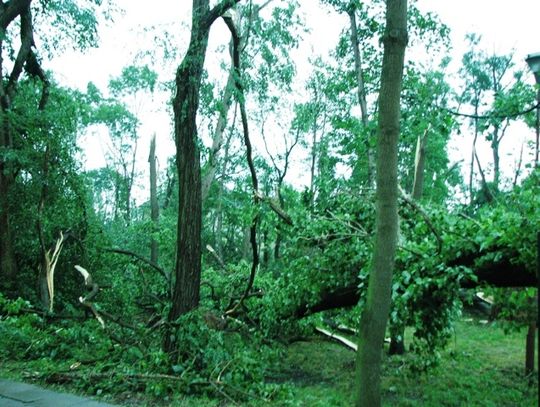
(362, 95)
(537, 146)
(375, 313)
(185, 105)
(154, 206)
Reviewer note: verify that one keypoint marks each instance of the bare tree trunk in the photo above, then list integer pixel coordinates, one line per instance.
(496, 158)
(476, 131)
(226, 102)
(185, 105)
(128, 179)
(419, 166)
(375, 313)
(313, 166)
(217, 141)
(154, 206)
(362, 95)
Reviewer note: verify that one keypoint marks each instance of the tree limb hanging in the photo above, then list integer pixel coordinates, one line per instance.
(485, 186)
(276, 208)
(249, 155)
(216, 256)
(142, 259)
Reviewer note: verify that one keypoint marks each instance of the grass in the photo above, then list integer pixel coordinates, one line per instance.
(482, 366)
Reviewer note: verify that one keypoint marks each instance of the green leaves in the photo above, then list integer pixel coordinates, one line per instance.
(133, 79)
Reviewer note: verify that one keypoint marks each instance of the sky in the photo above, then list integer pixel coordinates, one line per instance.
(505, 27)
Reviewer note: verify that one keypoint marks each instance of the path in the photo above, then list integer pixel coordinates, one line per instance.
(16, 394)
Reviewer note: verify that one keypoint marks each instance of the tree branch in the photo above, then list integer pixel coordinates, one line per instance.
(218, 11)
(140, 258)
(276, 208)
(10, 11)
(493, 115)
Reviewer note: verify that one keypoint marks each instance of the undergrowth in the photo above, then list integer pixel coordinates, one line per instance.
(482, 366)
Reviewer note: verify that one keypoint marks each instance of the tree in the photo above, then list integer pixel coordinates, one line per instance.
(375, 313)
(185, 104)
(154, 205)
(25, 59)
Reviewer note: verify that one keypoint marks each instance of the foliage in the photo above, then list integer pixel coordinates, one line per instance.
(328, 247)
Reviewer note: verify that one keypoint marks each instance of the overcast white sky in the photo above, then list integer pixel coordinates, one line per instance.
(504, 26)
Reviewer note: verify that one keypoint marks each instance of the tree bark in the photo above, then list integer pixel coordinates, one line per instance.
(375, 313)
(185, 105)
(154, 206)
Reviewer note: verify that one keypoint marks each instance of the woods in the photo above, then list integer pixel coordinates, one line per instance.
(303, 193)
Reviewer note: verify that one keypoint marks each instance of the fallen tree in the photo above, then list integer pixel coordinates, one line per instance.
(500, 273)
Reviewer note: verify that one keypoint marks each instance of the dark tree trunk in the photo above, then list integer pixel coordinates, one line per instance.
(530, 348)
(375, 313)
(8, 264)
(185, 105)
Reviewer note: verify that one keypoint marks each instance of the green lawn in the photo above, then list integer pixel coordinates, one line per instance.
(481, 367)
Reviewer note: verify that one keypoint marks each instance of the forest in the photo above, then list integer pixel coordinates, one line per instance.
(311, 240)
